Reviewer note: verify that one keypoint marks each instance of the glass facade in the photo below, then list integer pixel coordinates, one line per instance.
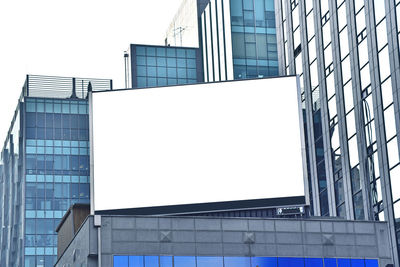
(204, 261)
(239, 40)
(44, 166)
(254, 46)
(346, 53)
(11, 177)
(160, 66)
(57, 171)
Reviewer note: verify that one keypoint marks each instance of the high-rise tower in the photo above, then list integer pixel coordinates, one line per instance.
(45, 166)
(346, 53)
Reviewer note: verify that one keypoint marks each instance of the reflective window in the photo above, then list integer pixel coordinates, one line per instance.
(346, 71)
(387, 95)
(57, 170)
(157, 66)
(358, 206)
(390, 124)
(253, 37)
(310, 26)
(353, 152)
(384, 65)
(360, 20)
(348, 96)
(395, 183)
(393, 152)
(381, 34)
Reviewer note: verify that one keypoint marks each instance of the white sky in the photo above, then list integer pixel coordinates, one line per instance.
(74, 39)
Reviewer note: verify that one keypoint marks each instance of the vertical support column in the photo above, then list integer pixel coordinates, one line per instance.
(280, 36)
(91, 154)
(27, 85)
(360, 125)
(289, 34)
(308, 107)
(394, 58)
(324, 107)
(307, 92)
(356, 87)
(378, 110)
(133, 66)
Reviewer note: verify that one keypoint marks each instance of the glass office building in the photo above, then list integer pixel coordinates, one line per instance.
(164, 65)
(347, 55)
(46, 166)
(238, 39)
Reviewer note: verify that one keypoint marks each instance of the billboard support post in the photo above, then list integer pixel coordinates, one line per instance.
(91, 168)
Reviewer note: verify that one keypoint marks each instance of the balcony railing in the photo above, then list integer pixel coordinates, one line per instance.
(63, 87)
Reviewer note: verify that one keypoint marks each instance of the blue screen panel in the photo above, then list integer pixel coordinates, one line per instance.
(357, 263)
(264, 262)
(184, 261)
(136, 261)
(236, 261)
(209, 262)
(165, 261)
(314, 262)
(121, 261)
(371, 263)
(291, 262)
(150, 261)
(343, 263)
(330, 262)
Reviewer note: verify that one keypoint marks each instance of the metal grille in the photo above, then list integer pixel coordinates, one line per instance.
(62, 87)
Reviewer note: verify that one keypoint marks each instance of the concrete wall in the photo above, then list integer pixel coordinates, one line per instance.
(126, 235)
(78, 251)
(65, 235)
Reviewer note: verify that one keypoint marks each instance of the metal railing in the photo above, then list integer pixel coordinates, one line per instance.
(63, 87)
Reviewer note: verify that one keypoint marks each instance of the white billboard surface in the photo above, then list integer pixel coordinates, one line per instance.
(197, 143)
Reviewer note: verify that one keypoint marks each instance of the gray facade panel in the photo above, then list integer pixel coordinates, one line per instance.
(321, 242)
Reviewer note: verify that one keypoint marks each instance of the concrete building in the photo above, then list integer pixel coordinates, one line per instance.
(106, 240)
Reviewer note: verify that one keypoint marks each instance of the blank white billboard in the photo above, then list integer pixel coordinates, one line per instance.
(196, 143)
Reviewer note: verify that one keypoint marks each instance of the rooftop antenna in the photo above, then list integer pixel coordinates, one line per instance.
(126, 62)
(178, 30)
